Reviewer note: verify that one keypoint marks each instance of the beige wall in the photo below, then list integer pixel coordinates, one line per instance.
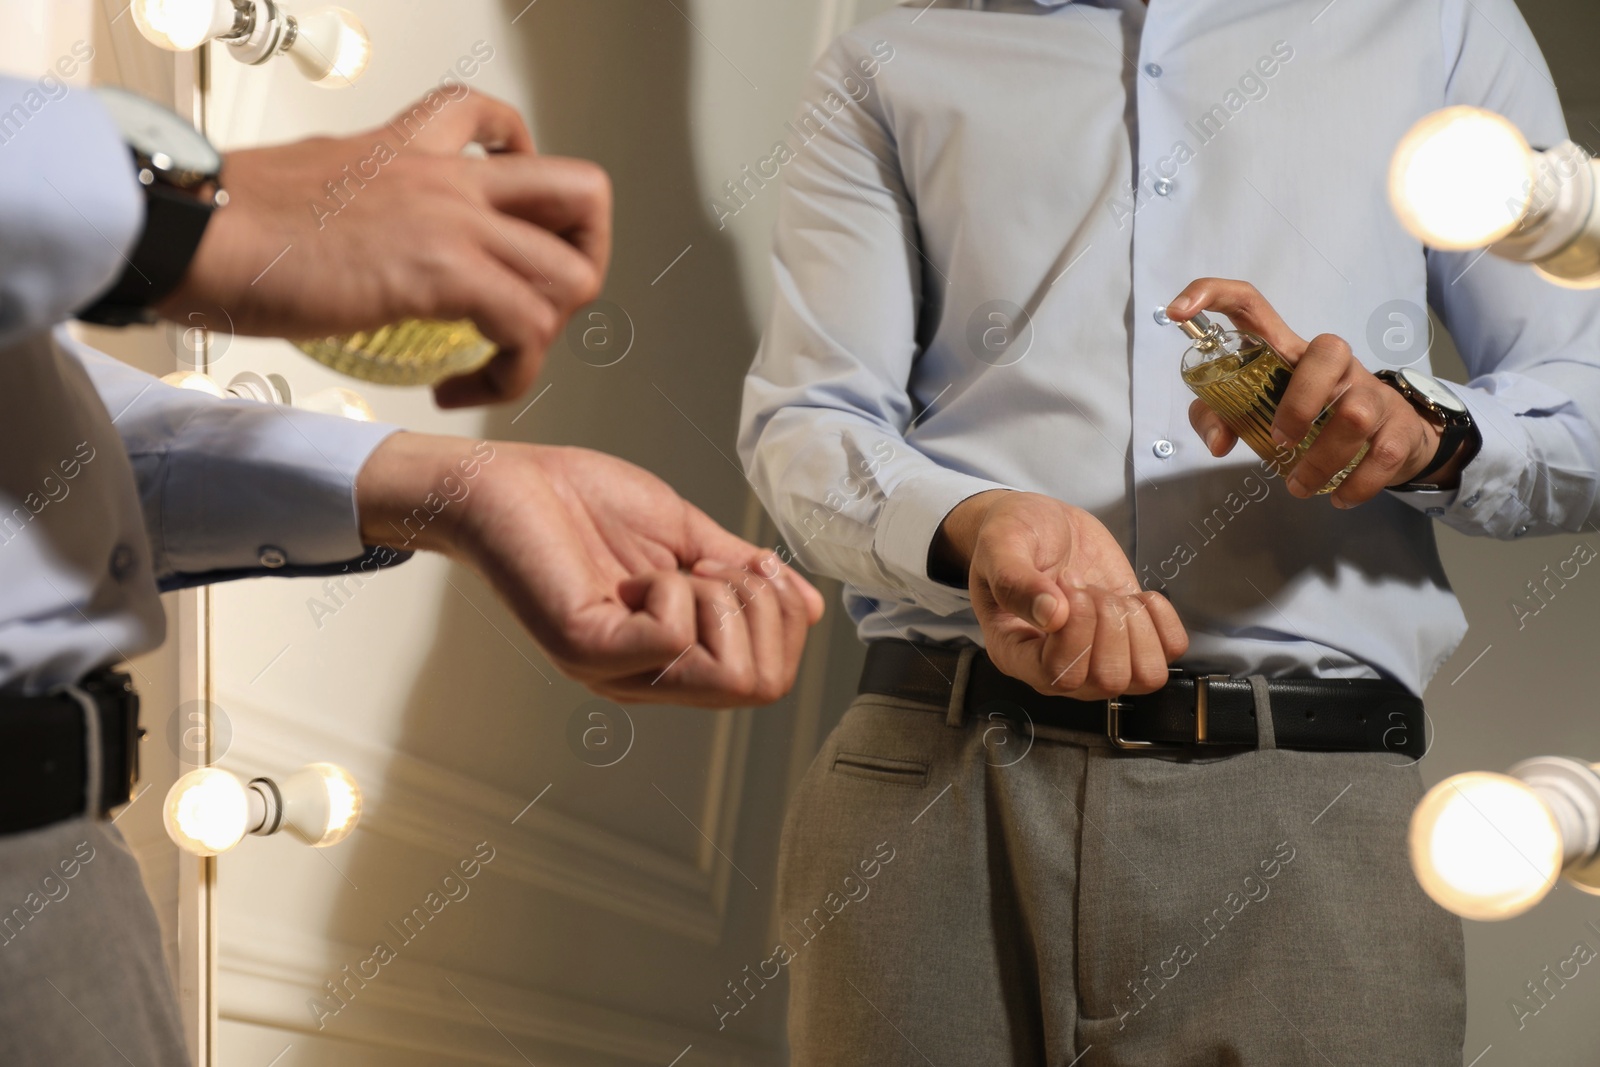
(1535, 690)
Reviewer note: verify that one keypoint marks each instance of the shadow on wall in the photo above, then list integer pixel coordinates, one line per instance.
(611, 80)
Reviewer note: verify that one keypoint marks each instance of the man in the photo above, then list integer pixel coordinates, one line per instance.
(966, 408)
(113, 485)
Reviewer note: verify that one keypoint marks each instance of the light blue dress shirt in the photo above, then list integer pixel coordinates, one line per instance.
(1084, 162)
(112, 484)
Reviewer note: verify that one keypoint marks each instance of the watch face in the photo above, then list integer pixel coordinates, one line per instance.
(1431, 390)
(159, 135)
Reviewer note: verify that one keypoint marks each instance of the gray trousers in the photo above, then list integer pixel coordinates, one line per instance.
(83, 982)
(955, 892)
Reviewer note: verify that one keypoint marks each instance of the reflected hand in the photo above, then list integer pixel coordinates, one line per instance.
(1366, 410)
(627, 587)
(333, 235)
(1057, 599)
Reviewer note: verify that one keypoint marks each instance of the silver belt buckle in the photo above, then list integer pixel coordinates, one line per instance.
(1201, 685)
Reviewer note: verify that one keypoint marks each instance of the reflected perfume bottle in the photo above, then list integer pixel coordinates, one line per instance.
(1242, 378)
(412, 352)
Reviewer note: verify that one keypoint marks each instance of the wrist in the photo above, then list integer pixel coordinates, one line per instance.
(417, 491)
(950, 555)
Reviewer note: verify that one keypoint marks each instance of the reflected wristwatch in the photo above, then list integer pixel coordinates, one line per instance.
(179, 171)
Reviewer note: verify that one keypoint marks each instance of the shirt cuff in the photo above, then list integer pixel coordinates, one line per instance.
(1486, 501)
(909, 523)
(262, 488)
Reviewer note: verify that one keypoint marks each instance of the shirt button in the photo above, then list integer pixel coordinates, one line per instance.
(122, 560)
(1153, 69)
(1163, 448)
(271, 556)
(1473, 499)
(1519, 531)
(1165, 186)
(1435, 512)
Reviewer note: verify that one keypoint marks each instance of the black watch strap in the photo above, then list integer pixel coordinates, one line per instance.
(1451, 434)
(174, 222)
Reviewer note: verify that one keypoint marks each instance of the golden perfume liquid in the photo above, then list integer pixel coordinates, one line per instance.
(1243, 378)
(412, 352)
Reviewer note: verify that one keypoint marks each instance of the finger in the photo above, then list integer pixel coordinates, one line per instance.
(559, 272)
(1018, 585)
(713, 670)
(1110, 664)
(437, 123)
(1169, 628)
(569, 197)
(760, 597)
(519, 320)
(797, 620)
(651, 622)
(1213, 431)
(1321, 375)
(702, 538)
(1244, 306)
(1355, 418)
(1387, 453)
(1066, 655)
(1147, 660)
(800, 605)
(810, 598)
(723, 660)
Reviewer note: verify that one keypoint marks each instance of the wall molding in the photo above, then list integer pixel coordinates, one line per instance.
(426, 806)
(268, 973)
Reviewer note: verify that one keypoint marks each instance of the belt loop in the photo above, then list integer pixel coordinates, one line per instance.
(1266, 735)
(94, 755)
(955, 715)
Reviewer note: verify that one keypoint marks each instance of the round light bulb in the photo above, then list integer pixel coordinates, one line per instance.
(321, 804)
(207, 811)
(182, 25)
(337, 400)
(1484, 846)
(191, 379)
(331, 47)
(1462, 178)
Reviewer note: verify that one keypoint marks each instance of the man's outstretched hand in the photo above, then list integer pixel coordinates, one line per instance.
(1057, 599)
(333, 235)
(627, 587)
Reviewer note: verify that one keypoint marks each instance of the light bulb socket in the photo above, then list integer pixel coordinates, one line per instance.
(1571, 790)
(271, 820)
(262, 32)
(244, 20)
(1561, 206)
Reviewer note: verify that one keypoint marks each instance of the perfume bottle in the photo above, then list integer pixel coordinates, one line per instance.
(411, 352)
(1242, 378)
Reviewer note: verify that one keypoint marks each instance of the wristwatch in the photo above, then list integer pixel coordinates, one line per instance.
(1439, 406)
(179, 171)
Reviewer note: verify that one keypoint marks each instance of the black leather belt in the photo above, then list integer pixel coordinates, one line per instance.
(1312, 714)
(44, 758)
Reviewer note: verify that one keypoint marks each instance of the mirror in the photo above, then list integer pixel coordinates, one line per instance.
(542, 876)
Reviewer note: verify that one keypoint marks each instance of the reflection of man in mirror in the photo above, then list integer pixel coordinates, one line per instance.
(1201, 858)
(115, 486)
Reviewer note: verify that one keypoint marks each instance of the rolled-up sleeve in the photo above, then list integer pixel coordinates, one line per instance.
(826, 406)
(231, 488)
(1531, 348)
(70, 205)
